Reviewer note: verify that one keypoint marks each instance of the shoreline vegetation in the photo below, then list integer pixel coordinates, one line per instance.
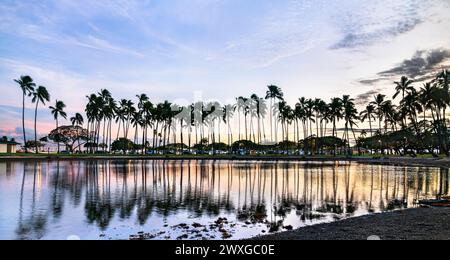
(414, 122)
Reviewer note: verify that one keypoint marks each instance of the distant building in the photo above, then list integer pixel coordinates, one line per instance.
(8, 146)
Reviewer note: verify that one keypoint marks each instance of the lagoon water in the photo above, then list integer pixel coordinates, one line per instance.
(198, 199)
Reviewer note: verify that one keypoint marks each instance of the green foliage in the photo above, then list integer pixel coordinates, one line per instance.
(244, 144)
(123, 145)
(68, 135)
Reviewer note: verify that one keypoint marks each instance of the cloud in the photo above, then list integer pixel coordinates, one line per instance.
(95, 43)
(421, 64)
(358, 39)
(364, 98)
(366, 23)
(45, 23)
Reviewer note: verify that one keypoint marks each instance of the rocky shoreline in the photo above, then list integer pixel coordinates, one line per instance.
(410, 224)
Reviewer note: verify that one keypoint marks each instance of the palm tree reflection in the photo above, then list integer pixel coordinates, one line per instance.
(254, 193)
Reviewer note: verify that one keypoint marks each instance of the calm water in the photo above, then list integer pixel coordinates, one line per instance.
(175, 199)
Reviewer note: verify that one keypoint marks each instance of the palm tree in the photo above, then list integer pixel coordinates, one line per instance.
(259, 108)
(286, 116)
(243, 106)
(58, 111)
(412, 107)
(378, 103)
(77, 120)
(300, 116)
(426, 100)
(39, 95)
(369, 114)
(350, 116)
(320, 108)
(142, 100)
(228, 111)
(336, 110)
(336, 113)
(404, 86)
(273, 92)
(27, 85)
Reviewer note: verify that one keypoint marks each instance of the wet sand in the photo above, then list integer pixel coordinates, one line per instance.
(411, 224)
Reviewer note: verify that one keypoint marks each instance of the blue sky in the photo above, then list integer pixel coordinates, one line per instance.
(215, 49)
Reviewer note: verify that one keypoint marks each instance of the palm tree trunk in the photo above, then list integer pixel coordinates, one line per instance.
(23, 123)
(271, 120)
(35, 126)
(181, 134)
(57, 132)
(118, 130)
(239, 119)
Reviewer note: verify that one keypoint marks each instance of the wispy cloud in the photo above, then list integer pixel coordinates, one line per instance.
(43, 24)
(362, 38)
(421, 64)
(367, 23)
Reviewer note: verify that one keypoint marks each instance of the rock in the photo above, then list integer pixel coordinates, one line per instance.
(185, 236)
(197, 225)
(226, 235)
(289, 228)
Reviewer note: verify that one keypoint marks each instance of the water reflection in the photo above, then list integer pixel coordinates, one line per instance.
(114, 199)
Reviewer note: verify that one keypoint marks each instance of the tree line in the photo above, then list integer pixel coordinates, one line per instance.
(412, 118)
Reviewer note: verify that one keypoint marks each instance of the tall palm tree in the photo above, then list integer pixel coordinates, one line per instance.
(350, 116)
(259, 108)
(228, 111)
(369, 114)
(300, 116)
(39, 95)
(142, 99)
(58, 111)
(273, 93)
(77, 120)
(147, 109)
(378, 102)
(336, 110)
(336, 113)
(244, 107)
(404, 86)
(319, 109)
(412, 107)
(27, 85)
(285, 117)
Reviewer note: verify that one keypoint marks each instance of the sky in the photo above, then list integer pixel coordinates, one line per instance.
(183, 51)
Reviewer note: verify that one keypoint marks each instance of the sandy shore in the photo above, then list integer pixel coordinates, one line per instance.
(400, 161)
(411, 224)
